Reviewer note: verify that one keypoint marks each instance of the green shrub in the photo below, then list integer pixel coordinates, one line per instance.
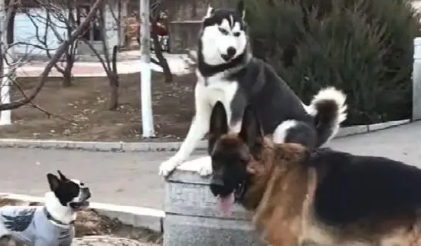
(363, 47)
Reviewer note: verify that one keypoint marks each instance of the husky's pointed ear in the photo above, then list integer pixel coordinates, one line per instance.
(209, 12)
(240, 9)
(53, 181)
(62, 177)
(218, 124)
(251, 132)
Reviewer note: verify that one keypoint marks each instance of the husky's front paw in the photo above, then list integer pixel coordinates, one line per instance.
(168, 166)
(206, 168)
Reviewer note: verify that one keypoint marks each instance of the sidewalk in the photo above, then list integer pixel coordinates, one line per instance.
(132, 178)
(120, 178)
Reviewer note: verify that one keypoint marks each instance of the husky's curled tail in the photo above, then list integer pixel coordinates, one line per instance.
(329, 110)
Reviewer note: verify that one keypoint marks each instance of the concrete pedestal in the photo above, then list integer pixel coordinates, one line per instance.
(193, 219)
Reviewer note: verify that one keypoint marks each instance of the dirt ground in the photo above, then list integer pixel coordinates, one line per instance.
(80, 112)
(90, 223)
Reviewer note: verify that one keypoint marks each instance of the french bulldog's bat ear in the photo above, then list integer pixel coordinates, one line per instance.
(53, 181)
(62, 177)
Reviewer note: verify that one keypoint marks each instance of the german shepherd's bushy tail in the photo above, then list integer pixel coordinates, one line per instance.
(329, 110)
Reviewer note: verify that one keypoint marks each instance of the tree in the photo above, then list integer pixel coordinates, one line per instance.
(157, 7)
(25, 99)
(57, 16)
(363, 47)
(6, 72)
(108, 61)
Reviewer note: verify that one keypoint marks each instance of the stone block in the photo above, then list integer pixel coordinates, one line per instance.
(192, 216)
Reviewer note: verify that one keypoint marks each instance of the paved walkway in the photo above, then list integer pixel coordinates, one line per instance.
(123, 178)
(131, 178)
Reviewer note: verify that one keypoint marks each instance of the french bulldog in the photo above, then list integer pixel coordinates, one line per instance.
(50, 224)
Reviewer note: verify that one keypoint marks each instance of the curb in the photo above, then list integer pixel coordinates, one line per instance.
(135, 216)
(95, 146)
(160, 147)
(361, 129)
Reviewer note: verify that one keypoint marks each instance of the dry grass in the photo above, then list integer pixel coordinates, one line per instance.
(80, 112)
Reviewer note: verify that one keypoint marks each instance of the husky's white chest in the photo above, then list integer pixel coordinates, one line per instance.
(216, 88)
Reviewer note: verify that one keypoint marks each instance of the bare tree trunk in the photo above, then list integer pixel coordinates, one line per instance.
(110, 69)
(71, 51)
(70, 23)
(10, 25)
(67, 77)
(158, 52)
(109, 64)
(67, 72)
(113, 80)
(7, 71)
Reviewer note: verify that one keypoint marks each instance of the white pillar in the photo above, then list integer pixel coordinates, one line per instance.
(416, 81)
(6, 115)
(145, 71)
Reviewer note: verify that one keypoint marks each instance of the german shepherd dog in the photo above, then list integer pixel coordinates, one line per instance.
(319, 197)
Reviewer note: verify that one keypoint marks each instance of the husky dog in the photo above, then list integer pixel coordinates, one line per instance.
(48, 225)
(228, 72)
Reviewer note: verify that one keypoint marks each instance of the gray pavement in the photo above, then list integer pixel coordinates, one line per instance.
(131, 178)
(121, 178)
(400, 143)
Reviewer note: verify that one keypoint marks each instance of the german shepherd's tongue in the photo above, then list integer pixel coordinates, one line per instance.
(226, 204)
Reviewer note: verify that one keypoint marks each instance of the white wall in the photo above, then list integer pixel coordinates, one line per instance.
(111, 25)
(26, 31)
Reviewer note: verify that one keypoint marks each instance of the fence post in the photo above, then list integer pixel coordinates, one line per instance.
(416, 80)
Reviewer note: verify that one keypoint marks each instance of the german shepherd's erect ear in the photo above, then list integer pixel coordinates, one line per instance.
(218, 124)
(251, 132)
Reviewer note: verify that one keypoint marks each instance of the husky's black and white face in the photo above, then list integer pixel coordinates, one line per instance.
(223, 36)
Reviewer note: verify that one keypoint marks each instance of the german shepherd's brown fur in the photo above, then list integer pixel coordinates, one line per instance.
(281, 183)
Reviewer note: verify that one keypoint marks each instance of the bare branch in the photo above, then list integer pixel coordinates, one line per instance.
(60, 51)
(49, 114)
